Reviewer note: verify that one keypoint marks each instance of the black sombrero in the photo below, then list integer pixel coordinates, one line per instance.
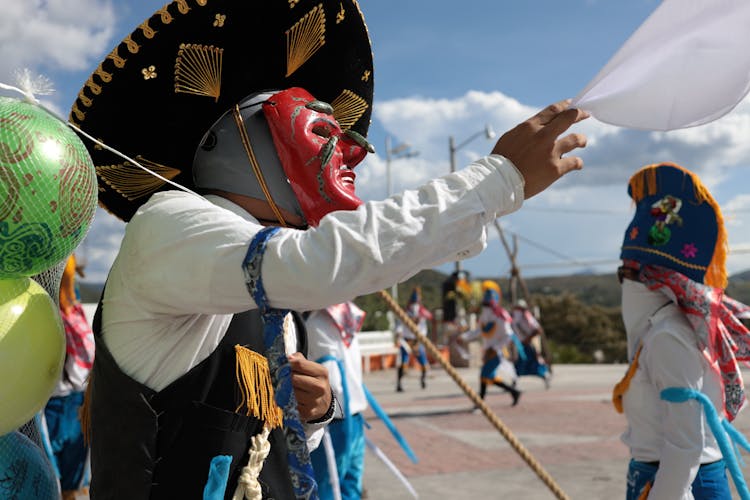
(160, 89)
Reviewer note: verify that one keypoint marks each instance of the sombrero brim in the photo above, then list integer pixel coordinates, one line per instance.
(158, 92)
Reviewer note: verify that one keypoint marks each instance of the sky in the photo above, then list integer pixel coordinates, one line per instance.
(447, 69)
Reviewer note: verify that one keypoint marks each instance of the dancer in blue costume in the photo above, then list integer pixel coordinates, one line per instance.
(407, 342)
(527, 331)
(684, 342)
(496, 333)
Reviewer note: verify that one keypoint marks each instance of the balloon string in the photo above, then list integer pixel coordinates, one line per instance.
(29, 96)
(125, 157)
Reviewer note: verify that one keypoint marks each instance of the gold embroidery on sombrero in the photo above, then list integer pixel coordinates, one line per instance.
(116, 59)
(198, 70)
(182, 6)
(219, 20)
(86, 101)
(93, 87)
(164, 14)
(293, 3)
(133, 47)
(132, 182)
(202, 3)
(366, 75)
(76, 115)
(341, 15)
(348, 107)
(149, 73)
(103, 75)
(305, 38)
(148, 31)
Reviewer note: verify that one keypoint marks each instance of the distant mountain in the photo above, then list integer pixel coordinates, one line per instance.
(90, 292)
(594, 289)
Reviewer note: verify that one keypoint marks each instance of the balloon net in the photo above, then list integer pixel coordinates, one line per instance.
(26, 472)
(48, 191)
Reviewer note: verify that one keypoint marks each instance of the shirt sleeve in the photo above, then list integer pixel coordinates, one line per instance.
(322, 341)
(186, 257)
(357, 252)
(672, 362)
(314, 433)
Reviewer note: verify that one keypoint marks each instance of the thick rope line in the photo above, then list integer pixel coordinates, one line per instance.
(494, 419)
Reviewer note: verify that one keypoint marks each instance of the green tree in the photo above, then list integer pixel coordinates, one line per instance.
(576, 331)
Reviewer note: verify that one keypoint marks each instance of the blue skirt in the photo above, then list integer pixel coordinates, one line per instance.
(710, 483)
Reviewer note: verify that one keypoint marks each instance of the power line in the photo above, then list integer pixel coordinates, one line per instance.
(586, 263)
(544, 248)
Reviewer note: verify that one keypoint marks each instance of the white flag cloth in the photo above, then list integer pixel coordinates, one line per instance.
(686, 65)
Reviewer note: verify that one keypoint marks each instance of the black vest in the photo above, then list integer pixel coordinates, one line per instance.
(159, 445)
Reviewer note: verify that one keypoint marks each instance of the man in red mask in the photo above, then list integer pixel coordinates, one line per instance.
(200, 384)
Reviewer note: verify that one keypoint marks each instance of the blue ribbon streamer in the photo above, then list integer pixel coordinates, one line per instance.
(388, 423)
(719, 427)
(519, 347)
(344, 389)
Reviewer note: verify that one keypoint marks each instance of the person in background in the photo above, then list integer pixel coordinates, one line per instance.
(61, 414)
(528, 330)
(496, 332)
(407, 341)
(684, 340)
(332, 335)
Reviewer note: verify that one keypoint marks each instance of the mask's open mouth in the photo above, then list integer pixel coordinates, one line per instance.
(347, 175)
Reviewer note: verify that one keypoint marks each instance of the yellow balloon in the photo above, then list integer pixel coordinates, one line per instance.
(32, 350)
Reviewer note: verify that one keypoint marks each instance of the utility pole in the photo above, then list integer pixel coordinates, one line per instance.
(488, 133)
(403, 150)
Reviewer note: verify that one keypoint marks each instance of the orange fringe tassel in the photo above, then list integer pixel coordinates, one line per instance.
(254, 380)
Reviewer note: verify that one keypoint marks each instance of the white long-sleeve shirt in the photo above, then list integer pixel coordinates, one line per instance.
(675, 434)
(178, 277)
(324, 338)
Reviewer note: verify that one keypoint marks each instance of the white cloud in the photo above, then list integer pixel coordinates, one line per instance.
(50, 35)
(101, 245)
(583, 215)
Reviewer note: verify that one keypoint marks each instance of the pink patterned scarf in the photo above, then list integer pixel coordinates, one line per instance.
(348, 318)
(721, 336)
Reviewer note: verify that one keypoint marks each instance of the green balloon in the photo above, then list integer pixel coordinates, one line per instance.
(32, 350)
(48, 189)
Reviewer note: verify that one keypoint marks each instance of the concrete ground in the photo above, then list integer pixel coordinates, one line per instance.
(571, 430)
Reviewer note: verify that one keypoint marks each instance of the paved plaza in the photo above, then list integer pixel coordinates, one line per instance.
(571, 429)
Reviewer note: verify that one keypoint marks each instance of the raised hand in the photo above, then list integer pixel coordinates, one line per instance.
(534, 148)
